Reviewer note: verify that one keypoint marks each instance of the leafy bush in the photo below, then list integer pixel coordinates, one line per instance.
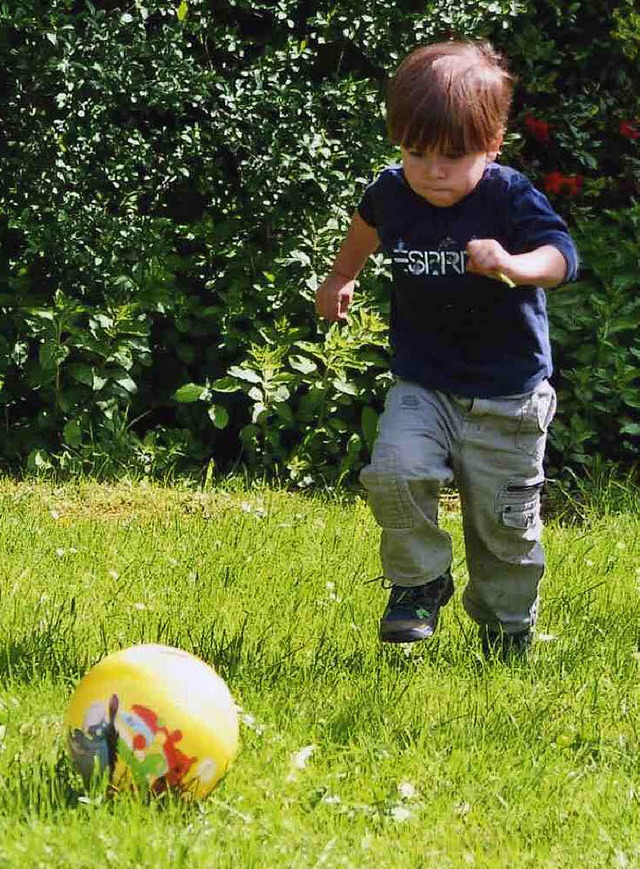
(177, 178)
(595, 325)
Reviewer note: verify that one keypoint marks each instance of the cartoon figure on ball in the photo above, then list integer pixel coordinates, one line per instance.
(155, 718)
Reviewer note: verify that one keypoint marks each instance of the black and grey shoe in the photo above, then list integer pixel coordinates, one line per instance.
(412, 611)
(503, 646)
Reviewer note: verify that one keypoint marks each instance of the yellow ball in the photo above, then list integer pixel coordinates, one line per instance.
(156, 718)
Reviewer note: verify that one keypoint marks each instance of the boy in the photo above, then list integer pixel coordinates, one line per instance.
(472, 246)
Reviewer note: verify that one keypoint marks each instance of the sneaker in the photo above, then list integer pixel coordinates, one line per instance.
(412, 611)
(497, 644)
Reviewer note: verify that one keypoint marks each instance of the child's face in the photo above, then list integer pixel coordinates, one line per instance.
(444, 179)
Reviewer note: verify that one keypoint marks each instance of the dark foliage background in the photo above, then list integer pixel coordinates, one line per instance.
(175, 181)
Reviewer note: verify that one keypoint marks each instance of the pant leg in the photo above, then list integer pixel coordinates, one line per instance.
(410, 462)
(499, 469)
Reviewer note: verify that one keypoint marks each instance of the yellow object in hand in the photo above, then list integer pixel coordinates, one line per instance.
(507, 280)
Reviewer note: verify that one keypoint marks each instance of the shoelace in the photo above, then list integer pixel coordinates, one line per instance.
(403, 594)
(384, 582)
(412, 595)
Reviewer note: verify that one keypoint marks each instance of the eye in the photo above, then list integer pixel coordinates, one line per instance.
(454, 155)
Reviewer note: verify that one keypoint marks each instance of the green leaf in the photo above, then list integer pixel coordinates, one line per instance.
(126, 382)
(285, 413)
(189, 392)
(338, 424)
(219, 416)
(281, 394)
(99, 381)
(257, 413)
(183, 8)
(302, 364)
(226, 384)
(369, 425)
(50, 355)
(72, 433)
(38, 460)
(81, 372)
(632, 428)
(345, 387)
(244, 374)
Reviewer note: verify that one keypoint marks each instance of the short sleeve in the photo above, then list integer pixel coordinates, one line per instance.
(532, 222)
(367, 207)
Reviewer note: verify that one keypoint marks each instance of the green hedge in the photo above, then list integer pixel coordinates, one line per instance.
(176, 179)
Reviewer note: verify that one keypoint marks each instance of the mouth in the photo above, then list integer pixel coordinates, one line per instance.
(436, 191)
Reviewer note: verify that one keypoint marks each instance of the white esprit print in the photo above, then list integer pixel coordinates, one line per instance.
(431, 263)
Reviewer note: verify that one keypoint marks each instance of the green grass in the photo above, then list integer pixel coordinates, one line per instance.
(422, 756)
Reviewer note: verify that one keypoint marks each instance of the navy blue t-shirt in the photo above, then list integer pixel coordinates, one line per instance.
(451, 329)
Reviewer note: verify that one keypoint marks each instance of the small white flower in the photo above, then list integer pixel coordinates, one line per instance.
(139, 606)
(366, 842)
(400, 813)
(114, 574)
(54, 514)
(406, 790)
(331, 799)
(299, 758)
(256, 510)
(60, 552)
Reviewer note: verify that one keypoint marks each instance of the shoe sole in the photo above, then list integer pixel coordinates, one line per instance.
(405, 636)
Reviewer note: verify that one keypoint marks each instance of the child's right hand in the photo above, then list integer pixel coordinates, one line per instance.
(334, 297)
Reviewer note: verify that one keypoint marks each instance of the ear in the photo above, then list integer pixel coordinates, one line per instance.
(494, 147)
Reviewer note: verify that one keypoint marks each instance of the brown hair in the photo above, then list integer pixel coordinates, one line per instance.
(449, 96)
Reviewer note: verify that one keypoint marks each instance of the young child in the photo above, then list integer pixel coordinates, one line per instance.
(472, 246)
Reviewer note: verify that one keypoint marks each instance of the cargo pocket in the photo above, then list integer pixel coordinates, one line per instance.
(390, 499)
(537, 414)
(518, 524)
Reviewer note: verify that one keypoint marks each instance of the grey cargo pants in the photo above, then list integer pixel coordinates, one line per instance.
(493, 448)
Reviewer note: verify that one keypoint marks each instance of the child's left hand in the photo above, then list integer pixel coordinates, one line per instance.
(486, 256)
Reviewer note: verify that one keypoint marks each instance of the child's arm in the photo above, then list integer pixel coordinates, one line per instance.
(543, 267)
(334, 295)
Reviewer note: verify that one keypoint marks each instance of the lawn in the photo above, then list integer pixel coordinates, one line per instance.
(352, 754)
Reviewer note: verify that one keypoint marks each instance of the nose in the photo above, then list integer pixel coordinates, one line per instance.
(434, 167)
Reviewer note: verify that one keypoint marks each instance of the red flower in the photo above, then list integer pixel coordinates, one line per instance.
(538, 129)
(573, 184)
(629, 129)
(556, 182)
(553, 182)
